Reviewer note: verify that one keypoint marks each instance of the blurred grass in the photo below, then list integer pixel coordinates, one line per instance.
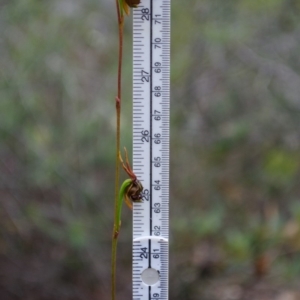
(234, 147)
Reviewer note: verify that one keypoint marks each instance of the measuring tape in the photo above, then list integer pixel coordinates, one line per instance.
(151, 110)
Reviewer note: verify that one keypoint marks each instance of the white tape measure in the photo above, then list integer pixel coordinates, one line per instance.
(151, 110)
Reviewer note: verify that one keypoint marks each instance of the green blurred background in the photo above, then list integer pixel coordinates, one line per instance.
(235, 209)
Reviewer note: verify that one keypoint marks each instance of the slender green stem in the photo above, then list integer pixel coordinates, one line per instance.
(118, 137)
(117, 226)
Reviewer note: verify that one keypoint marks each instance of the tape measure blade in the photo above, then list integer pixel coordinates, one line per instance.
(151, 111)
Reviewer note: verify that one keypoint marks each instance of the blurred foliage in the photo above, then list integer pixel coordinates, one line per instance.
(234, 148)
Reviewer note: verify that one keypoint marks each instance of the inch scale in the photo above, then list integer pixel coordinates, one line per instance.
(151, 110)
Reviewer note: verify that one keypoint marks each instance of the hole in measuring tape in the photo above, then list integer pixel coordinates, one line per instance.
(150, 276)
